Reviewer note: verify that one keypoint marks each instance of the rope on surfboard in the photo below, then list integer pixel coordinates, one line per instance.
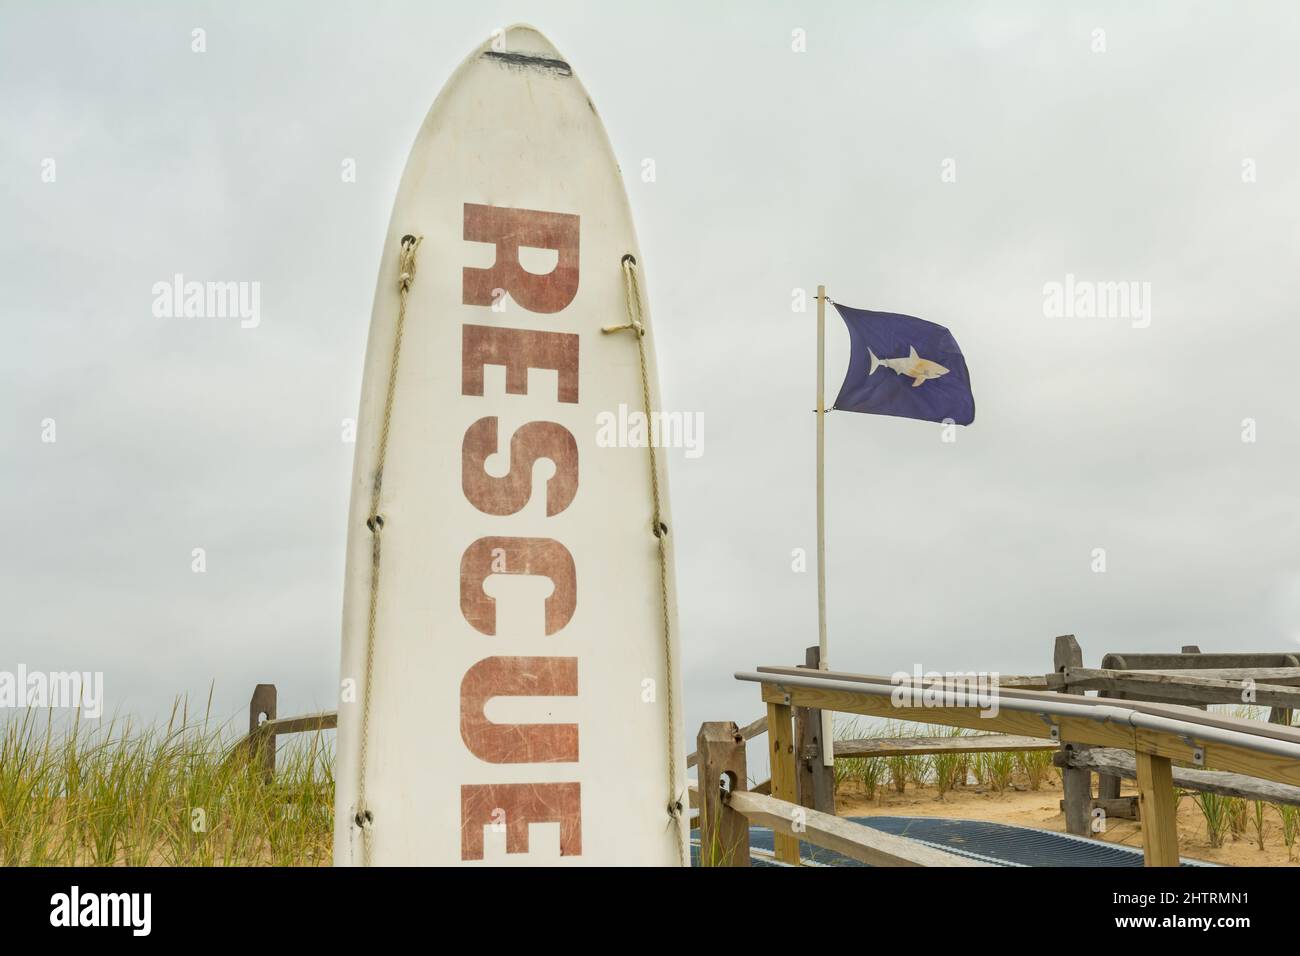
(375, 522)
(636, 324)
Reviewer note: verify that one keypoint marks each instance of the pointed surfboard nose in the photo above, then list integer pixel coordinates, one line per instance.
(524, 38)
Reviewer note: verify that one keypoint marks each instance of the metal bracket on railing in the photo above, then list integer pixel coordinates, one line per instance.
(784, 692)
(1053, 728)
(1198, 750)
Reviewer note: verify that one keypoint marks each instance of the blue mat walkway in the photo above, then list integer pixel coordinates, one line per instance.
(999, 844)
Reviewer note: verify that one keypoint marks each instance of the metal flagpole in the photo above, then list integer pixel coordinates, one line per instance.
(828, 755)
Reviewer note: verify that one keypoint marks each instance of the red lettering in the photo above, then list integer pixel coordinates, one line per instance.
(509, 229)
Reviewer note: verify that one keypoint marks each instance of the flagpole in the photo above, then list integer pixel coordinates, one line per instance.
(828, 756)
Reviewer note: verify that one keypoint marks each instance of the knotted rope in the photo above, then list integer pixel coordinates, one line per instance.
(375, 522)
(636, 324)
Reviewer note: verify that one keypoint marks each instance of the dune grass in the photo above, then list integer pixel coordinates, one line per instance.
(1214, 808)
(1290, 820)
(180, 795)
(943, 771)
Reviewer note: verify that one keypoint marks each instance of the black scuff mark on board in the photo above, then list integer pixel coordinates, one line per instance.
(527, 61)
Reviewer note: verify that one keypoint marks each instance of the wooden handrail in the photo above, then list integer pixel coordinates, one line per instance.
(1157, 734)
(972, 744)
(325, 720)
(853, 840)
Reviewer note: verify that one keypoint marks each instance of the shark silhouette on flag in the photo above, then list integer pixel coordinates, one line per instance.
(904, 366)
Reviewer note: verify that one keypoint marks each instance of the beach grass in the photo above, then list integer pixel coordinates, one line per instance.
(943, 771)
(179, 795)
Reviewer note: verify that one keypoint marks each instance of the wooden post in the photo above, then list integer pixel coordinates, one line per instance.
(1108, 784)
(724, 833)
(1159, 810)
(263, 705)
(1281, 715)
(1076, 784)
(781, 735)
(1194, 649)
(815, 780)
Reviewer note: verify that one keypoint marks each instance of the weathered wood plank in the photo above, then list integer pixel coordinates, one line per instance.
(262, 705)
(1107, 787)
(1288, 676)
(1125, 661)
(1122, 808)
(1023, 681)
(325, 720)
(853, 840)
(749, 732)
(1122, 764)
(1076, 784)
(1222, 686)
(724, 833)
(974, 744)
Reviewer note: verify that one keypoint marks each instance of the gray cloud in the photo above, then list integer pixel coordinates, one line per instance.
(776, 170)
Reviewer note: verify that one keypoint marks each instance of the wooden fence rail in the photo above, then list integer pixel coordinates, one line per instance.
(1155, 734)
(798, 802)
(727, 810)
(264, 728)
(964, 744)
(1189, 678)
(1122, 764)
(853, 840)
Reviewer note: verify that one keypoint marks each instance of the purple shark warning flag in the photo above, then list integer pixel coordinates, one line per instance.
(904, 366)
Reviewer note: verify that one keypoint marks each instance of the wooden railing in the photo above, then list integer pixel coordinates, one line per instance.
(1256, 760)
(799, 801)
(726, 814)
(1155, 734)
(264, 728)
(1189, 678)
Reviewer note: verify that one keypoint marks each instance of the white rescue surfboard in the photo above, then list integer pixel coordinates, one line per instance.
(517, 668)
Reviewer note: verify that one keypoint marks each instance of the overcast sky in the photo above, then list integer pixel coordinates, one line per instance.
(776, 170)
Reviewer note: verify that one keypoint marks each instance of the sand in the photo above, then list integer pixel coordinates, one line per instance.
(1041, 808)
